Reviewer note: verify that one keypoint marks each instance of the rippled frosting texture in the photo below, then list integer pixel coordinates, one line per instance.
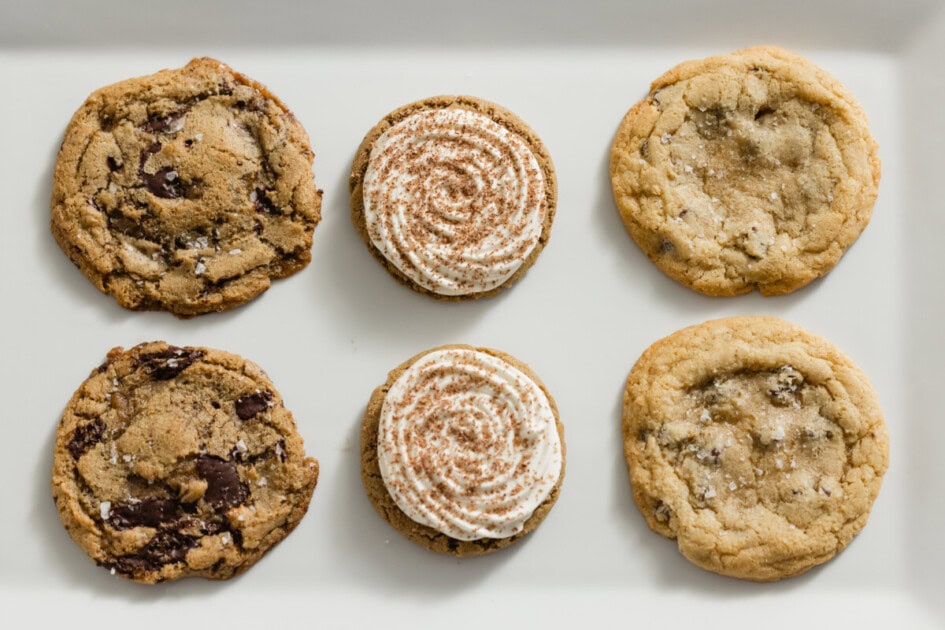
(468, 444)
(454, 200)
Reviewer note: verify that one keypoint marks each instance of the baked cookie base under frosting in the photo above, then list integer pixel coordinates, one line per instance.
(505, 118)
(386, 506)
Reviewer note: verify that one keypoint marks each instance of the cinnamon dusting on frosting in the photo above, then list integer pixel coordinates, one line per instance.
(468, 444)
(454, 200)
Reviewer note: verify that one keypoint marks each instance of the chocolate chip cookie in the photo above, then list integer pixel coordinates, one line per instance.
(174, 462)
(188, 190)
(454, 195)
(758, 446)
(462, 450)
(754, 170)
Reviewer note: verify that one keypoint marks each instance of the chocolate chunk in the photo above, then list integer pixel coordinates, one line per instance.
(264, 204)
(85, 437)
(784, 385)
(224, 488)
(248, 406)
(166, 547)
(167, 364)
(662, 512)
(164, 183)
(150, 512)
(172, 123)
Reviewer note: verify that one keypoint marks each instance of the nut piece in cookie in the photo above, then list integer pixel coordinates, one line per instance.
(454, 195)
(741, 172)
(462, 450)
(173, 462)
(758, 446)
(188, 190)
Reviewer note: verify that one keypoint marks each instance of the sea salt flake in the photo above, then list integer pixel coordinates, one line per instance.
(234, 252)
(200, 268)
(709, 493)
(262, 482)
(105, 509)
(241, 446)
(732, 485)
(666, 138)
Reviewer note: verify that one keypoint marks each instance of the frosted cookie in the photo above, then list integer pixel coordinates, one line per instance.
(173, 462)
(188, 190)
(455, 196)
(754, 170)
(758, 446)
(462, 450)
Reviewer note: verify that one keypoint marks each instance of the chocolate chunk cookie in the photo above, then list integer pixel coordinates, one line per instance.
(462, 450)
(172, 462)
(754, 170)
(758, 446)
(454, 195)
(187, 190)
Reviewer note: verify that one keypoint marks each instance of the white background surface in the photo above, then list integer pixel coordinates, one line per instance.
(581, 316)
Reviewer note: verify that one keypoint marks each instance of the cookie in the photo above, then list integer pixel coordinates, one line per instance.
(756, 445)
(188, 190)
(173, 462)
(462, 450)
(454, 195)
(754, 170)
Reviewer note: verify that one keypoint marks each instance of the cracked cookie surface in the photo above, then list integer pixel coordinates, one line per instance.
(188, 190)
(754, 170)
(173, 462)
(756, 445)
(464, 479)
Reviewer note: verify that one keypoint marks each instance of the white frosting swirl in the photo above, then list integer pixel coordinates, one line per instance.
(454, 200)
(468, 444)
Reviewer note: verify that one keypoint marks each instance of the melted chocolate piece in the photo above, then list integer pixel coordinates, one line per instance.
(150, 512)
(164, 124)
(248, 406)
(166, 547)
(164, 183)
(264, 204)
(167, 364)
(224, 488)
(86, 436)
